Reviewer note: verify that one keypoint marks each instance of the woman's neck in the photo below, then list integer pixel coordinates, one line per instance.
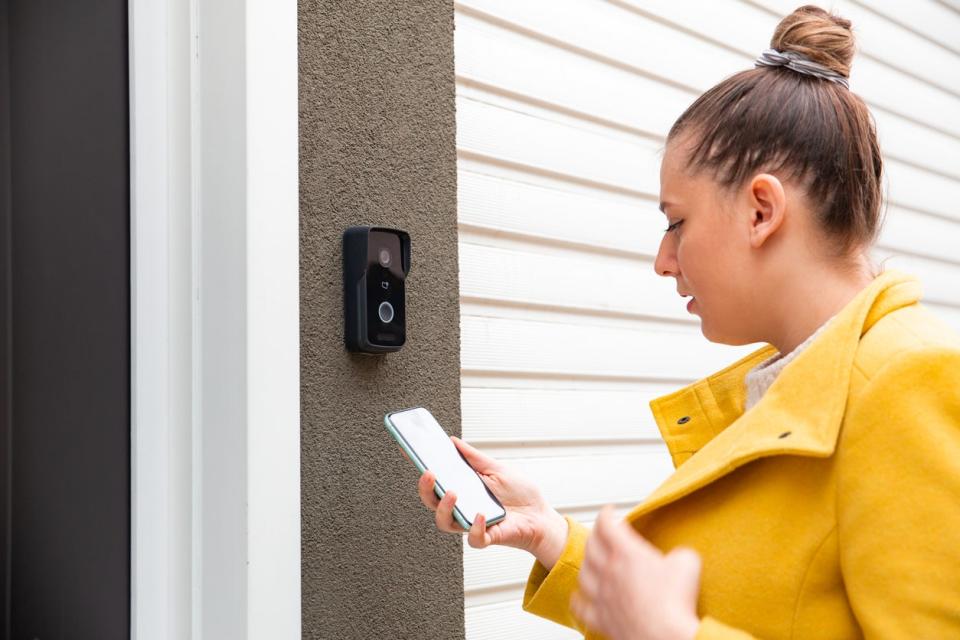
(808, 299)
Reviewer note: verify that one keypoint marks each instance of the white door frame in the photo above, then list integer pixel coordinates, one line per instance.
(215, 440)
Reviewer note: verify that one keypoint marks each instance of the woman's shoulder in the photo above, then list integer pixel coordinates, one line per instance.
(905, 389)
(906, 370)
(912, 333)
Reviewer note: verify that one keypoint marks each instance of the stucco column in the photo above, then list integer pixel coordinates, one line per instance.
(377, 146)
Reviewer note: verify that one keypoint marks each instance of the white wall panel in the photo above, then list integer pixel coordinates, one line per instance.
(567, 333)
(929, 18)
(521, 418)
(622, 163)
(506, 620)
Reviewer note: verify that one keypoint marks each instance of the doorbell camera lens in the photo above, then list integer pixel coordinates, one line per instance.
(384, 257)
(386, 312)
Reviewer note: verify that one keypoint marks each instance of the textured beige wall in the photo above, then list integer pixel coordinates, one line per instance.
(377, 146)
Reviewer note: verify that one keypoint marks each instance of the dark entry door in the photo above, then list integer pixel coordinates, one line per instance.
(64, 320)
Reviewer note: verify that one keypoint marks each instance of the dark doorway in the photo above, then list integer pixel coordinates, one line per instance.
(64, 320)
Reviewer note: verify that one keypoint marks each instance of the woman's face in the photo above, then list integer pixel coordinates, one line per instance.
(707, 250)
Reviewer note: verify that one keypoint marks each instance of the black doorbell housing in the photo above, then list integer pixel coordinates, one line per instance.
(376, 261)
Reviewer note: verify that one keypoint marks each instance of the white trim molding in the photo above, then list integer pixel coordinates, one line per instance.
(215, 320)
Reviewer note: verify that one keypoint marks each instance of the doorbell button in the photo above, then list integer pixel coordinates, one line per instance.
(386, 312)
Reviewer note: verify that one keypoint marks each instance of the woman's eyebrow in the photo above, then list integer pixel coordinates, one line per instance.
(664, 205)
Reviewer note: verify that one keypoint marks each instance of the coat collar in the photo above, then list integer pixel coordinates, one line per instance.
(708, 433)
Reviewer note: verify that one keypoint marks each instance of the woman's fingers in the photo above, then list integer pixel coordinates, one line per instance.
(587, 579)
(601, 529)
(616, 534)
(595, 559)
(583, 610)
(478, 460)
(478, 538)
(444, 515)
(425, 488)
(443, 508)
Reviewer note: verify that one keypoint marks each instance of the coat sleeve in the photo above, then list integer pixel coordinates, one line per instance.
(548, 592)
(898, 498)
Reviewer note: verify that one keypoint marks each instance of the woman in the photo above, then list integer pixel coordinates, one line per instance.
(817, 493)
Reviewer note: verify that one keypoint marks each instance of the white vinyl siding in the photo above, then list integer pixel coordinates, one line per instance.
(567, 332)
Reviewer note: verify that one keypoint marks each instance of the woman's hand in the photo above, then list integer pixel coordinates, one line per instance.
(531, 524)
(630, 590)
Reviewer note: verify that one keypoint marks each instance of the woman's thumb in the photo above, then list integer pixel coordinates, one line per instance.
(474, 457)
(687, 564)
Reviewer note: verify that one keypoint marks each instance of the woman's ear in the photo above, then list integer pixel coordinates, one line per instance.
(767, 202)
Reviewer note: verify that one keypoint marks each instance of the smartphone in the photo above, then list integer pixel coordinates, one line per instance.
(429, 446)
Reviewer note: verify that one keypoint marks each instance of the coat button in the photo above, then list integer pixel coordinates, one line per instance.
(784, 434)
(683, 420)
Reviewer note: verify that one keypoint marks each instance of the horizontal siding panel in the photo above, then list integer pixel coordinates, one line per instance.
(927, 17)
(607, 32)
(596, 282)
(517, 63)
(885, 87)
(941, 282)
(496, 344)
(925, 148)
(508, 620)
(918, 189)
(918, 233)
(531, 416)
(588, 480)
(621, 163)
(585, 219)
(500, 569)
(588, 319)
(741, 26)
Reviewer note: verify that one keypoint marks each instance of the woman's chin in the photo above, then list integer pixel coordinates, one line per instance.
(711, 333)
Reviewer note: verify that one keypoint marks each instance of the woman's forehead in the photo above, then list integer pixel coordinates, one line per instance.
(675, 162)
(675, 176)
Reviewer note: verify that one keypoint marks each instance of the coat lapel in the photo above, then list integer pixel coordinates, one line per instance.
(806, 402)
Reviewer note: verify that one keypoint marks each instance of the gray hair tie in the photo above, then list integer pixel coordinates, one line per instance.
(801, 64)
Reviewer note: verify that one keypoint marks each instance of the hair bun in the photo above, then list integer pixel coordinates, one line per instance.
(821, 36)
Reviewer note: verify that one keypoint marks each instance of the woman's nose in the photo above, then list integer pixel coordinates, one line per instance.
(665, 264)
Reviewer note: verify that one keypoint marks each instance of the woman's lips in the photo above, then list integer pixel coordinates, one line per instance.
(690, 304)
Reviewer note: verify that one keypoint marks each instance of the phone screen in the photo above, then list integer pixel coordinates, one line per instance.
(425, 437)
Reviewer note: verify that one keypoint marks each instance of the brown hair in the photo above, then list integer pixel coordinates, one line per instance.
(779, 120)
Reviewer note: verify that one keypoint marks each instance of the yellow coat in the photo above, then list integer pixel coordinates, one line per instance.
(831, 509)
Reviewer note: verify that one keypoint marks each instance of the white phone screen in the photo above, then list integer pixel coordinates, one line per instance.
(429, 442)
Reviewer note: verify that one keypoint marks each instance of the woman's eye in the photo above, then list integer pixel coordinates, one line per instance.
(673, 226)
